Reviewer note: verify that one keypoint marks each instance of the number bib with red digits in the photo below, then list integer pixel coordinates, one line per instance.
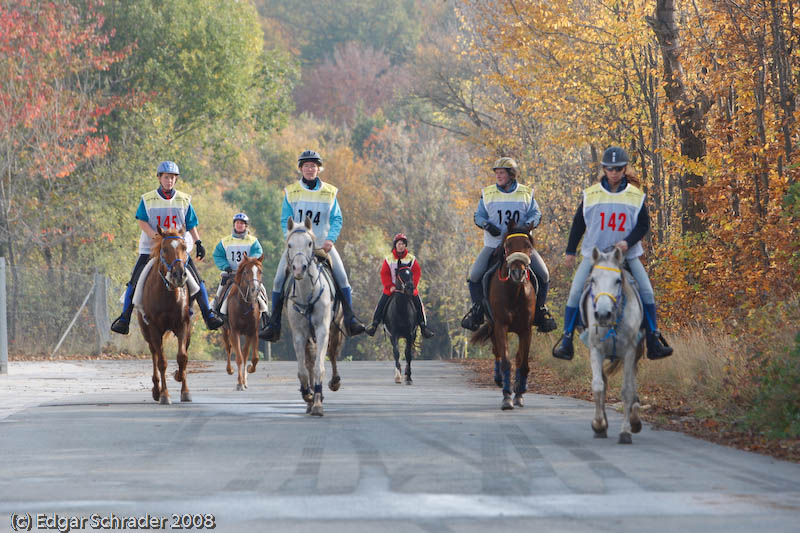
(165, 214)
(610, 217)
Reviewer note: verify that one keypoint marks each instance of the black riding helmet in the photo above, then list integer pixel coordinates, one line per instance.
(614, 156)
(309, 155)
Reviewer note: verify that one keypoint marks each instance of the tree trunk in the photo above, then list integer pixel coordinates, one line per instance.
(689, 113)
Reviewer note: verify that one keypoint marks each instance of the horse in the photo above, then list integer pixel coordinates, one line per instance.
(317, 324)
(243, 318)
(165, 307)
(400, 319)
(613, 313)
(512, 305)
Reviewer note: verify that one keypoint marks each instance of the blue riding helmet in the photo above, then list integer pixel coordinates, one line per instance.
(168, 167)
(242, 217)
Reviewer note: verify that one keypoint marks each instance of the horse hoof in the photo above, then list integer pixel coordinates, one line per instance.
(316, 410)
(177, 376)
(229, 369)
(409, 381)
(602, 434)
(397, 377)
(518, 401)
(251, 368)
(506, 405)
(636, 426)
(335, 383)
(165, 400)
(156, 395)
(625, 438)
(239, 386)
(308, 407)
(308, 398)
(498, 381)
(186, 397)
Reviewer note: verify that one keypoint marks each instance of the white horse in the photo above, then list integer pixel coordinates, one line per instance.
(613, 311)
(317, 326)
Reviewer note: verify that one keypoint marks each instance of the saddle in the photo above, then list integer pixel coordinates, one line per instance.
(222, 306)
(495, 261)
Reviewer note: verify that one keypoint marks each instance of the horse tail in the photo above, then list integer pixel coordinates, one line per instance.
(483, 334)
(613, 367)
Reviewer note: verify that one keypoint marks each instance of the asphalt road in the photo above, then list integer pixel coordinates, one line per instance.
(84, 448)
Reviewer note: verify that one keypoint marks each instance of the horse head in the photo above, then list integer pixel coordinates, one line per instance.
(170, 249)
(248, 278)
(404, 279)
(299, 247)
(606, 285)
(518, 247)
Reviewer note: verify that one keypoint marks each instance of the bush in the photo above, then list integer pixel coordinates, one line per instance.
(776, 406)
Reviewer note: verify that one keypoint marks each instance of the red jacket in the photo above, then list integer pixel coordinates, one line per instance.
(386, 273)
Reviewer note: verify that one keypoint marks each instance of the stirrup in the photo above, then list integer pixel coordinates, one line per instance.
(271, 333)
(213, 321)
(544, 321)
(371, 329)
(426, 331)
(121, 326)
(353, 327)
(657, 347)
(564, 349)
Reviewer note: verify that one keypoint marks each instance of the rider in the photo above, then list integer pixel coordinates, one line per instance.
(230, 251)
(507, 200)
(167, 208)
(389, 275)
(313, 198)
(602, 215)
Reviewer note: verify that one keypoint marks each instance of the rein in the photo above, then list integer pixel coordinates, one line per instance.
(168, 266)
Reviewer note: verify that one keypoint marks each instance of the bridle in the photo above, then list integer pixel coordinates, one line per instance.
(168, 283)
(251, 292)
(618, 310)
(402, 284)
(513, 257)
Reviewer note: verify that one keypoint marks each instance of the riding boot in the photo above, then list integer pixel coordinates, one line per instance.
(657, 347)
(209, 317)
(421, 318)
(377, 317)
(542, 318)
(352, 325)
(564, 348)
(122, 324)
(271, 332)
(474, 318)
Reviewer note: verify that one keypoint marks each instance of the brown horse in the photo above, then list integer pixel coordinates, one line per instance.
(165, 307)
(512, 301)
(243, 318)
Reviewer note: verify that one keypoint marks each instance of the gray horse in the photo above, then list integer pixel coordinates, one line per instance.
(613, 313)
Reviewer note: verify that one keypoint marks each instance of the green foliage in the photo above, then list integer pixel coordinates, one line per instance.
(776, 406)
(364, 127)
(393, 26)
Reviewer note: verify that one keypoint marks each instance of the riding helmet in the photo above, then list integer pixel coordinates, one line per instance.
(614, 156)
(399, 237)
(309, 155)
(241, 216)
(504, 162)
(168, 167)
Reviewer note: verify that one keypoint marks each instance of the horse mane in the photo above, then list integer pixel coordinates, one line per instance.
(158, 240)
(247, 261)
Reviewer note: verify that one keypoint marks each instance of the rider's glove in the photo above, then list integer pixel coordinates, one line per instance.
(201, 252)
(228, 270)
(493, 230)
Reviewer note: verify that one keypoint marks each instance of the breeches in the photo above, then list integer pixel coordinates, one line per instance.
(336, 262)
(585, 268)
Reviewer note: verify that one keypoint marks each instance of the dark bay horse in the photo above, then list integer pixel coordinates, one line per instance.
(165, 307)
(400, 319)
(512, 301)
(243, 319)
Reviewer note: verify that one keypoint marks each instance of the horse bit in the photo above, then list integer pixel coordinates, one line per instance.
(168, 266)
(619, 307)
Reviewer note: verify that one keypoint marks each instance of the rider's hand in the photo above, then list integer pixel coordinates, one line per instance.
(200, 251)
(392, 289)
(229, 270)
(569, 261)
(327, 245)
(622, 245)
(493, 230)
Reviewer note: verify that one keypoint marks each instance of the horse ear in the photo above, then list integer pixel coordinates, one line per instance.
(290, 226)
(260, 259)
(595, 254)
(618, 255)
(308, 222)
(159, 231)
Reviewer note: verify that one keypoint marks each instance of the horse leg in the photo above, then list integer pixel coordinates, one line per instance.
(252, 344)
(183, 361)
(226, 339)
(409, 356)
(319, 368)
(600, 422)
(501, 352)
(628, 397)
(521, 378)
(396, 352)
(162, 371)
(156, 379)
(237, 349)
(302, 369)
(636, 423)
(335, 339)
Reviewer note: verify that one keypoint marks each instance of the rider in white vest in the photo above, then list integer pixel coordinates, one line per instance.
(400, 253)
(506, 201)
(311, 197)
(166, 208)
(612, 213)
(230, 251)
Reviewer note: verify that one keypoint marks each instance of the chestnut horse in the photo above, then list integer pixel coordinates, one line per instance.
(512, 302)
(243, 318)
(165, 307)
